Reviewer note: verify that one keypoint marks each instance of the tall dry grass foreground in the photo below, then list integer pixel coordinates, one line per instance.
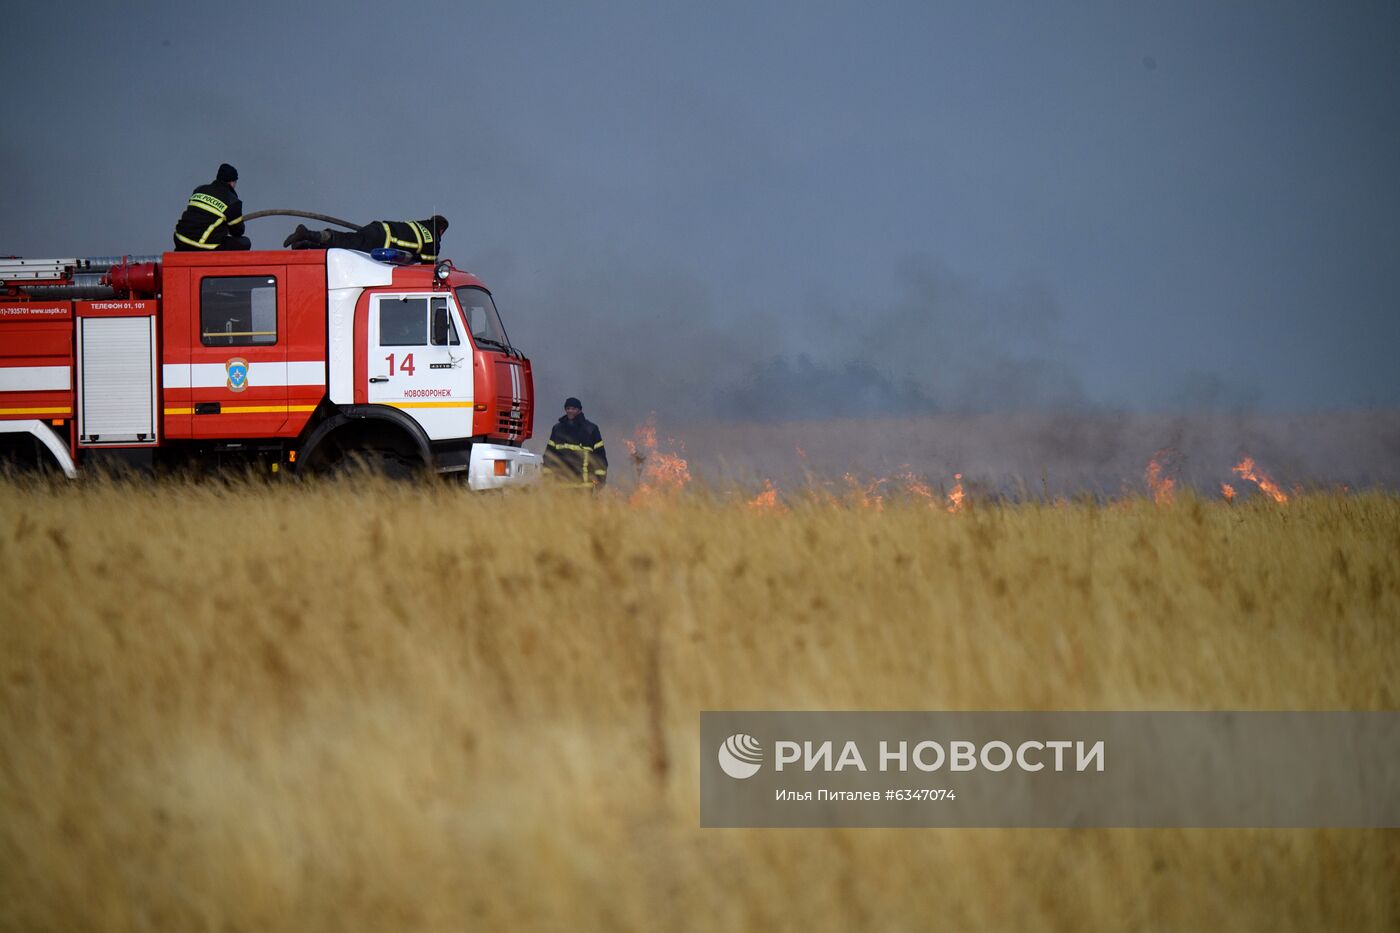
(373, 707)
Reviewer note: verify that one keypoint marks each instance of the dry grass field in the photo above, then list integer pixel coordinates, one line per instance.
(364, 706)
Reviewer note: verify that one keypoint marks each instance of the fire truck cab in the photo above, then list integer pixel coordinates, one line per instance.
(305, 360)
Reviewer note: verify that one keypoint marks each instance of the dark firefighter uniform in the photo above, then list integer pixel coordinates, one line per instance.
(413, 236)
(575, 453)
(419, 237)
(213, 218)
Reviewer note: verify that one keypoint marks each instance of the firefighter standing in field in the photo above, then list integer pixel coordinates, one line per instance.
(213, 218)
(575, 452)
(419, 237)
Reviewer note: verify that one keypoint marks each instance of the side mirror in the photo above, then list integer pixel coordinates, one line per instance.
(440, 326)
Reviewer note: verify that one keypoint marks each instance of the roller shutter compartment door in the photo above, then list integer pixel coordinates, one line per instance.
(116, 386)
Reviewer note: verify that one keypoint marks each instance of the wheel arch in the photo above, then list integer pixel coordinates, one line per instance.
(365, 421)
(46, 437)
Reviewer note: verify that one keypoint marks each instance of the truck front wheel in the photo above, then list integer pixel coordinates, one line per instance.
(387, 463)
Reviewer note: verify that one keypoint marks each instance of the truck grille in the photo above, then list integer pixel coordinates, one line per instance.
(510, 421)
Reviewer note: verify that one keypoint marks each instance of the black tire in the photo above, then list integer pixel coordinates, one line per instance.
(369, 462)
(25, 454)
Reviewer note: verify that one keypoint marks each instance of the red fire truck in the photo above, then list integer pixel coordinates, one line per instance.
(304, 360)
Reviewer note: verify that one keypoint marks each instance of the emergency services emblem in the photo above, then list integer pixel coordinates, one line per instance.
(237, 370)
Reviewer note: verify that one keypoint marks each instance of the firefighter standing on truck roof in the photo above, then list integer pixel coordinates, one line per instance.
(419, 237)
(213, 218)
(575, 452)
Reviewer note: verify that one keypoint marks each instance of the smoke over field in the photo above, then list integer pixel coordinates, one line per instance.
(370, 706)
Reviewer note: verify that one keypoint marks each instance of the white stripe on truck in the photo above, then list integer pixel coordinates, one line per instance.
(34, 378)
(214, 375)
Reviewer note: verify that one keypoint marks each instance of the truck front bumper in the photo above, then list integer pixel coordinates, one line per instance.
(495, 466)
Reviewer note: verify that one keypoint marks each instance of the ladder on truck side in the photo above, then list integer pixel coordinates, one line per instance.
(19, 270)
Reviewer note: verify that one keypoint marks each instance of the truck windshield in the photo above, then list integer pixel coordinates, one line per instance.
(482, 320)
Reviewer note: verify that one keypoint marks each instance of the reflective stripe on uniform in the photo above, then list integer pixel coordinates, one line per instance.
(425, 236)
(196, 243)
(210, 229)
(587, 452)
(207, 207)
(213, 206)
(209, 203)
(419, 246)
(391, 240)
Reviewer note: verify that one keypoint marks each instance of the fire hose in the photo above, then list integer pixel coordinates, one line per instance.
(326, 218)
(104, 276)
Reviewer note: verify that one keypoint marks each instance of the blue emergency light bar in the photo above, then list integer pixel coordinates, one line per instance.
(394, 257)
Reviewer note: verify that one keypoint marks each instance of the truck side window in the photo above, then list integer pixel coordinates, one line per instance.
(238, 311)
(403, 322)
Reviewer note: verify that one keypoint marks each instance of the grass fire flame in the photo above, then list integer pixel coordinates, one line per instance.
(1246, 469)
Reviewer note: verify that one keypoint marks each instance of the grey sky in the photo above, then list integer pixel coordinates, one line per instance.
(700, 208)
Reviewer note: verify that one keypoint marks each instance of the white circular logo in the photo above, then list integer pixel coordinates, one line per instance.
(740, 756)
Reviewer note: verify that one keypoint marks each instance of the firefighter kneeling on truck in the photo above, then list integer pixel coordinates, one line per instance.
(213, 217)
(575, 453)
